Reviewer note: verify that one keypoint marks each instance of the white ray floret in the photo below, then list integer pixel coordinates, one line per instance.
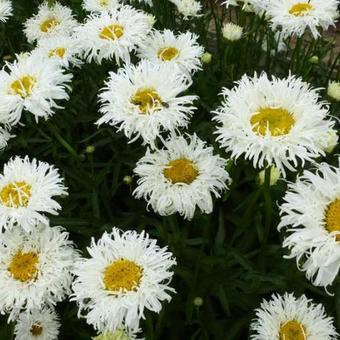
(279, 122)
(33, 84)
(181, 177)
(311, 215)
(113, 34)
(182, 50)
(64, 50)
(295, 17)
(289, 318)
(37, 324)
(50, 21)
(6, 10)
(145, 100)
(5, 136)
(35, 268)
(27, 190)
(126, 273)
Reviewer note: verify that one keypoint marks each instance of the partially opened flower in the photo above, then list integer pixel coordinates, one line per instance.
(37, 324)
(50, 21)
(33, 84)
(27, 190)
(181, 177)
(145, 100)
(126, 273)
(289, 318)
(35, 268)
(113, 34)
(100, 5)
(6, 10)
(188, 8)
(273, 121)
(182, 50)
(64, 50)
(311, 215)
(295, 17)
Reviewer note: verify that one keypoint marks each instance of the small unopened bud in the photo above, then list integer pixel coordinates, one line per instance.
(90, 149)
(198, 301)
(314, 59)
(206, 58)
(232, 32)
(331, 141)
(127, 180)
(274, 176)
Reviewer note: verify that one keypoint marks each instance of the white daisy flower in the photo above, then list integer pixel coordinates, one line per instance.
(183, 175)
(50, 21)
(126, 273)
(27, 189)
(33, 84)
(119, 334)
(232, 32)
(182, 50)
(113, 34)
(35, 268)
(6, 10)
(288, 318)
(100, 5)
(37, 325)
(273, 121)
(311, 215)
(64, 50)
(188, 8)
(294, 17)
(144, 100)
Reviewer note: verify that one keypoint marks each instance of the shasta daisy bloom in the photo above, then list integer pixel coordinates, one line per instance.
(185, 174)
(5, 10)
(126, 273)
(35, 268)
(182, 50)
(64, 50)
(232, 32)
(100, 5)
(113, 34)
(27, 189)
(50, 21)
(289, 318)
(33, 84)
(37, 324)
(273, 121)
(311, 215)
(188, 8)
(145, 100)
(294, 17)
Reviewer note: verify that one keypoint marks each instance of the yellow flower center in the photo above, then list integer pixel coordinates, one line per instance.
(122, 275)
(168, 53)
(112, 32)
(57, 52)
(36, 330)
(279, 121)
(292, 330)
(16, 194)
(332, 217)
(148, 100)
(104, 3)
(49, 24)
(301, 9)
(23, 86)
(181, 170)
(23, 266)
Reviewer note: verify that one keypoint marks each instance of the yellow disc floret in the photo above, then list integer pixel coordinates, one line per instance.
(168, 53)
(278, 121)
(57, 52)
(23, 86)
(148, 100)
(301, 9)
(112, 32)
(292, 330)
(122, 275)
(181, 170)
(49, 24)
(16, 194)
(332, 217)
(23, 266)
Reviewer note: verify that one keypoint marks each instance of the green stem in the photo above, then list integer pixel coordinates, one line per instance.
(267, 203)
(337, 302)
